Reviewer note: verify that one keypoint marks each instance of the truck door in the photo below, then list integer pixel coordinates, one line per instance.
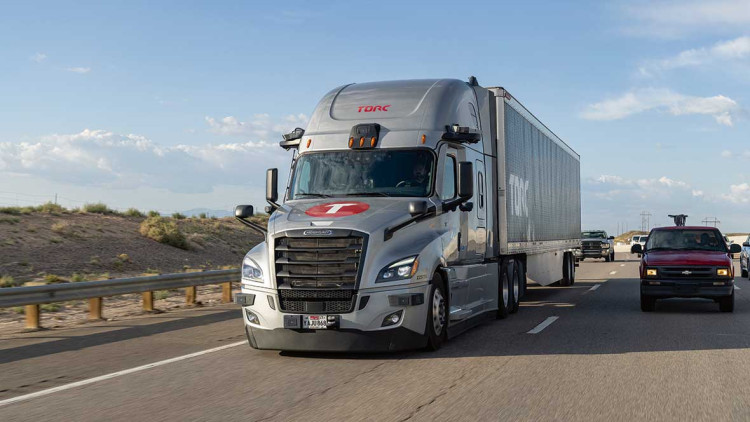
(455, 227)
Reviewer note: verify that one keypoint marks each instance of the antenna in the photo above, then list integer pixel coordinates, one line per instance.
(679, 219)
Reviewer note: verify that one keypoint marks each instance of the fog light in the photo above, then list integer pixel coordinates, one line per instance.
(392, 319)
(251, 317)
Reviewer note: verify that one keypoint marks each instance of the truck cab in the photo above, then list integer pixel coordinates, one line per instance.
(686, 262)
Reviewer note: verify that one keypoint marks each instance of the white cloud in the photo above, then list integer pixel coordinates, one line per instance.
(721, 52)
(676, 18)
(259, 127)
(80, 70)
(106, 159)
(738, 194)
(38, 57)
(663, 100)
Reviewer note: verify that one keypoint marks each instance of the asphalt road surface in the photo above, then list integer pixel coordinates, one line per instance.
(585, 352)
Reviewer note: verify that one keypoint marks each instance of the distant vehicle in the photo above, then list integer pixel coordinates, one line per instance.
(596, 244)
(686, 262)
(638, 240)
(745, 257)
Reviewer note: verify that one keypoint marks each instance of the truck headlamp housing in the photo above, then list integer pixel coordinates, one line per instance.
(399, 270)
(652, 272)
(605, 245)
(251, 270)
(723, 272)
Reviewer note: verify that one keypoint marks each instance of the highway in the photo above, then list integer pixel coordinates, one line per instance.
(585, 352)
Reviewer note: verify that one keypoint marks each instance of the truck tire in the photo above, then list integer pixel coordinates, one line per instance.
(608, 258)
(517, 285)
(747, 269)
(504, 292)
(437, 315)
(648, 303)
(726, 303)
(567, 279)
(613, 257)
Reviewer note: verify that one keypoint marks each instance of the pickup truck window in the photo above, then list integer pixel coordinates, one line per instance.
(593, 235)
(692, 239)
(363, 173)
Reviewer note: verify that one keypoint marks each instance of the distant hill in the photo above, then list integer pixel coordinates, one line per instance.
(209, 213)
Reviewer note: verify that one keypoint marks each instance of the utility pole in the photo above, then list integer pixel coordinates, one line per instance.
(645, 221)
(711, 220)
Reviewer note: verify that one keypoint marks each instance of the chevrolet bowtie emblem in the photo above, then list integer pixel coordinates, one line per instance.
(687, 272)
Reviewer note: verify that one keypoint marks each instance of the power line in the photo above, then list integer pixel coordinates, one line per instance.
(711, 220)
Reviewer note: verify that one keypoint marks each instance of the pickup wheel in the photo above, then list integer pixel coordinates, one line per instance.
(726, 303)
(504, 292)
(747, 268)
(613, 257)
(608, 258)
(648, 303)
(437, 315)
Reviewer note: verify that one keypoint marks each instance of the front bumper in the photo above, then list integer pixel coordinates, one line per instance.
(592, 253)
(687, 288)
(357, 331)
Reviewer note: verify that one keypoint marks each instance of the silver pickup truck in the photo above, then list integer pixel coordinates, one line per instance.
(596, 244)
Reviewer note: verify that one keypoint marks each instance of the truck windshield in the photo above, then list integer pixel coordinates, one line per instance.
(593, 235)
(692, 239)
(363, 173)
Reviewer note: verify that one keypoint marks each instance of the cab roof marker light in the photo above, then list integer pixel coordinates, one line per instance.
(373, 140)
(424, 138)
(309, 141)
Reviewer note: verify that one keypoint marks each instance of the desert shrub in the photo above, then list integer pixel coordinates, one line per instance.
(98, 208)
(9, 220)
(63, 228)
(94, 260)
(163, 231)
(133, 212)
(7, 281)
(19, 310)
(153, 213)
(161, 294)
(202, 216)
(178, 216)
(77, 277)
(51, 208)
(50, 307)
(16, 210)
(52, 278)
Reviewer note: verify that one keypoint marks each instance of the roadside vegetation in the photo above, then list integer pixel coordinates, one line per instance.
(163, 231)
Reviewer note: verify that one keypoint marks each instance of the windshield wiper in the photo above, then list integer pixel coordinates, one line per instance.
(317, 195)
(367, 194)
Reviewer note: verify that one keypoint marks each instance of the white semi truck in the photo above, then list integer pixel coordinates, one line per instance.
(414, 210)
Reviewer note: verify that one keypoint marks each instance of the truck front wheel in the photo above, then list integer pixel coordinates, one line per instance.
(648, 303)
(726, 303)
(437, 315)
(504, 293)
(517, 272)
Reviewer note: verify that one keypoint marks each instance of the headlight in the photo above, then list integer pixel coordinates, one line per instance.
(399, 270)
(605, 245)
(651, 272)
(722, 272)
(251, 270)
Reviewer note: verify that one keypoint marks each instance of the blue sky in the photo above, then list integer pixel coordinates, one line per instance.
(179, 105)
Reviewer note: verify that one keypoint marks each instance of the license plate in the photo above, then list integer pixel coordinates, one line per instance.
(315, 322)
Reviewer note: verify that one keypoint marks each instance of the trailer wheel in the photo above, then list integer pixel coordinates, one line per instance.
(516, 298)
(437, 315)
(567, 279)
(504, 292)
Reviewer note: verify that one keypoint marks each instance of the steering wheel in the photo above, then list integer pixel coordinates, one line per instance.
(402, 183)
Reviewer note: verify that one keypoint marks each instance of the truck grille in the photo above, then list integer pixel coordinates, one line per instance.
(318, 274)
(686, 272)
(591, 245)
(317, 301)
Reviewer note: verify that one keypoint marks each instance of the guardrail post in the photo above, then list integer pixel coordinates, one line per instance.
(190, 295)
(32, 317)
(95, 308)
(226, 292)
(148, 301)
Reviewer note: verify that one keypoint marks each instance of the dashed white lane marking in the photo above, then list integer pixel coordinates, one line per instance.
(737, 287)
(612, 272)
(546, 323)
(622, 265)
(594, 287)
(115, 374)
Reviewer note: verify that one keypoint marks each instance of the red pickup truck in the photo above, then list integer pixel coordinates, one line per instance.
(686, 262)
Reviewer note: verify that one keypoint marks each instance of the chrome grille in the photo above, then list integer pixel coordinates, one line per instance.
(686, 272)
(319, 262)
(317, 301)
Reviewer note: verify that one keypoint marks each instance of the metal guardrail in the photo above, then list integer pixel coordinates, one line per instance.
(32, 296)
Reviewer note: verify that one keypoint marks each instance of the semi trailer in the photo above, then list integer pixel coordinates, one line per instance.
(414, 210)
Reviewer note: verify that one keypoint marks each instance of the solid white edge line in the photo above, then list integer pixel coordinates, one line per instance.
(546, 323)
(115, 374)
(594, 287)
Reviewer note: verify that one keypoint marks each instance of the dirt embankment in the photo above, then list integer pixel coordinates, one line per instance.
(94, 246)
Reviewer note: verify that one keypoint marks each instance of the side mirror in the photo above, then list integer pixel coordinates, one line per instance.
(244, 211)
(611, 238)
(465, 180)
(272, 186)
(637, 248)
(735, 248)
(746, 244)
(417, 207)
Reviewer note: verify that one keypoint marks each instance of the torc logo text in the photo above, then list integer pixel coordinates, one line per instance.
(371, 108)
